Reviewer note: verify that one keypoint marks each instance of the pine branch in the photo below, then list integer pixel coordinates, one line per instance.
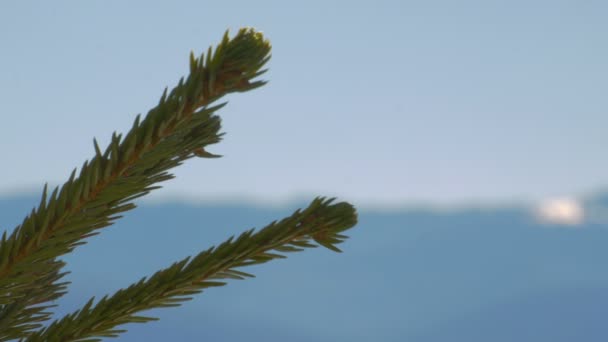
(179, 128)
(322, 222)
(17, 317)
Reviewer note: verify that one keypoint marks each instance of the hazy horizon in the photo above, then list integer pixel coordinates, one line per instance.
(419, 275)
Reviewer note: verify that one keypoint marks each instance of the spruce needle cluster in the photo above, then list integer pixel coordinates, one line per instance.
(179, 128)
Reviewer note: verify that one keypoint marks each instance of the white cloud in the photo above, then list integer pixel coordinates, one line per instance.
(564, 211)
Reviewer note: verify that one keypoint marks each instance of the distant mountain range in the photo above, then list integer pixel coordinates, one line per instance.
(410, 275)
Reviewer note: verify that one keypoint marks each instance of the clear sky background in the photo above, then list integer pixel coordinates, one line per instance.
(378, 102)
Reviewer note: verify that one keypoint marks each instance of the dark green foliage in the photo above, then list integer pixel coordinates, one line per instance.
(179, 128)
(209, 268)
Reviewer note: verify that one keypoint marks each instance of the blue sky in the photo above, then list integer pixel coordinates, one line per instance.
(380, 102)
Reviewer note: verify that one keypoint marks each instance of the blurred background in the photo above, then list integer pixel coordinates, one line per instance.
(470, 135)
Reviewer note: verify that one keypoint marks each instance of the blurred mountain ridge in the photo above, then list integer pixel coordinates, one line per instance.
(418, 274)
